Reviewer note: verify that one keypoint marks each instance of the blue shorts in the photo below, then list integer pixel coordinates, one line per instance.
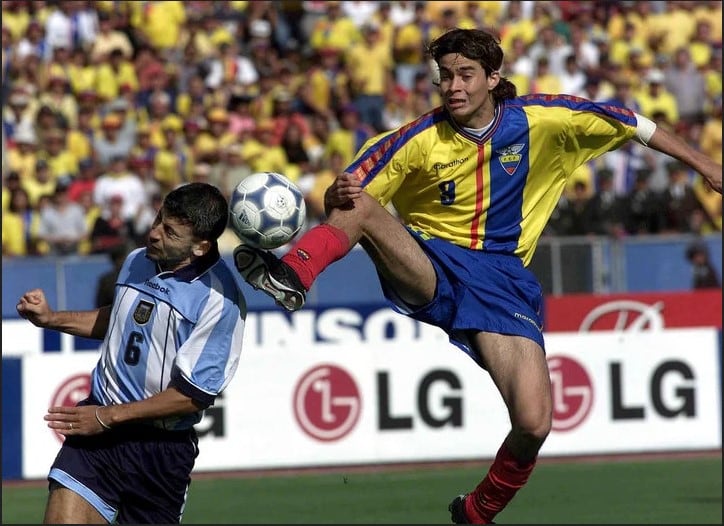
(477, 291)
(132, 474)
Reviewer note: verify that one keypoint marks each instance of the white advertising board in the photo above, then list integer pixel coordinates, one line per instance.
(357, 403)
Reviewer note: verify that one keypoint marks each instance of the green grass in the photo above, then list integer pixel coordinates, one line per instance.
(610, 492)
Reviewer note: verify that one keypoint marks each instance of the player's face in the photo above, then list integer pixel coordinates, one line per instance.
(465, 88)
(170, 242)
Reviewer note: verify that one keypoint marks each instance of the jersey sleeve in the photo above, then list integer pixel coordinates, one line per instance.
(595, 129)
(208, 358)
(384, 161)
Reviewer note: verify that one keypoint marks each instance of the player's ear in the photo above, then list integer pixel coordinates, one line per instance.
(493, 80)
(201, 248)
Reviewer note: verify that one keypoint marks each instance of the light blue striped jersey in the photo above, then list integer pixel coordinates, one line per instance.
(182, 327)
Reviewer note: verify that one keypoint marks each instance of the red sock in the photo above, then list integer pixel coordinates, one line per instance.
(505, 477)
(316, 250)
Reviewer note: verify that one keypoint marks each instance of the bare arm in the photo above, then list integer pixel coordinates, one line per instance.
(677, 148)
(89, 324)
(93, 419)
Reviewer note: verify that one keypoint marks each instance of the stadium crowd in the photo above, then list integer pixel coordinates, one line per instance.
(109, 105)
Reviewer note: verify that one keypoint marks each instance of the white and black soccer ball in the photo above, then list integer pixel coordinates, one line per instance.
(267, 210)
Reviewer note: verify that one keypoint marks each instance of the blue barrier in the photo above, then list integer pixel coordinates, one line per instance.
(655, 263)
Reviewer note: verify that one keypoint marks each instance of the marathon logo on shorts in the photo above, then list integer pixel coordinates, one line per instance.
(143, 312)
(510, 157)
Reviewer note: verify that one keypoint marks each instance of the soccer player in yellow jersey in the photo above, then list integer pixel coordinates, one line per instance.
(473, 183)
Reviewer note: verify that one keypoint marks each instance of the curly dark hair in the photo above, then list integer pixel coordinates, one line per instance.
(477, 45)
(200, 205)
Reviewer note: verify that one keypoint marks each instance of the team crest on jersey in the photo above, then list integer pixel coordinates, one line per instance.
(143, 312)
(510, 157)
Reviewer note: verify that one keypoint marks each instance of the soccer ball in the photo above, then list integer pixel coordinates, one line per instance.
(266, 210)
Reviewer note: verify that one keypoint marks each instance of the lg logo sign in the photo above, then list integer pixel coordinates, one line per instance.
(327, 403)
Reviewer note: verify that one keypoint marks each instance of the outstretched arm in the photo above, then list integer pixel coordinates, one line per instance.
(676, 147)
(89, 324)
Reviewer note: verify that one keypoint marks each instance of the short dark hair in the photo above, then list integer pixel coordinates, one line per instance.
(477, 45)
(200, 205)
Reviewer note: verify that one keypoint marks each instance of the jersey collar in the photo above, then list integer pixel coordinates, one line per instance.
(497, 117)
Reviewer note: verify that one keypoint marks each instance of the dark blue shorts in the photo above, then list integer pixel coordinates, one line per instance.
(477, 291)
(132, 474)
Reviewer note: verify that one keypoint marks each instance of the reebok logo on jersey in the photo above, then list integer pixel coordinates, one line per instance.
(301, 254)
(155, 286)
(143, 312)
(510, 157)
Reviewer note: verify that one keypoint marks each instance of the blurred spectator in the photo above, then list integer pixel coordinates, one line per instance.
(549, 45)
(326, 85)
(570, 217)
(370, 67)
(109, 143)
(81, 73)
(60, 30)
(208, 145)
(106, 284)
(21, 159)
(119, 181)
(518, 65)
(397, 110)
(408, 48)
(57, 96)
(158, 23)
(17, 110)
(655, 97)
(80, 138)
(174, 162)
(572, 78)
(109, 39)
(112, 230)
(686, 83)
(196, 94)
(231, 67)
(642, 207)
(359, 12)
(262, 153)
(333, 29)
(604, 211)
(295, 147)
(284, 115)
(710, 203)
(232, 168)
(679, 200)
(84, 181)
(710, 140)
(705, 275)
(349, 137)
(325, 176)
(62, 224)
(19, 225)
(11, 181)
(91, 212)
(55, 151)
(544, 81)
(33, 42)
(40, 183)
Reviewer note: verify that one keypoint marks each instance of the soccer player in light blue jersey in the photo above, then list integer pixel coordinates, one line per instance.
(171, 344)
(474, 183)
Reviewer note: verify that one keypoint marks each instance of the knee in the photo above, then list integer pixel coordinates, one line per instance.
(533, 427)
